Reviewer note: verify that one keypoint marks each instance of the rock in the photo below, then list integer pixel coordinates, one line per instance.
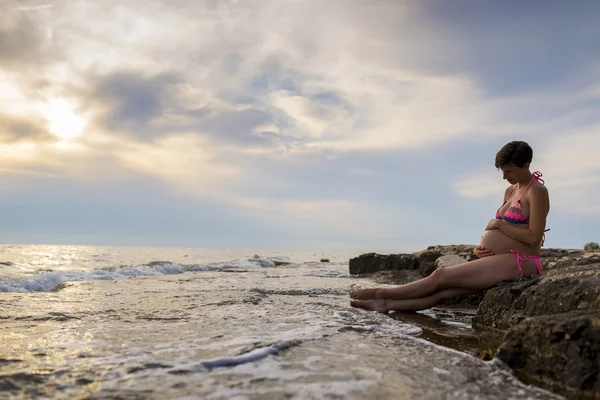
(570, 265)
(506, 305)
(548, 253)
(423, 261)
(568, 283)
(503, 305)
(468, 301)
(553, 323)
(464, 250)
(426, 261)
(449, 260)
(453, 248)
(560, 352)
(397, 277)
(591, 246)
(324, 260)
(373, 262)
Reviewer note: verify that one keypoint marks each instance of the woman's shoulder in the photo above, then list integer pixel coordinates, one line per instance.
(539, 187)
(538, 190)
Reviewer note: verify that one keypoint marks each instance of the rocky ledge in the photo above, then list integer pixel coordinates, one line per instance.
(551, 323)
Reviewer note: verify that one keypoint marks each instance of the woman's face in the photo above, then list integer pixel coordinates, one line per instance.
(512, 173)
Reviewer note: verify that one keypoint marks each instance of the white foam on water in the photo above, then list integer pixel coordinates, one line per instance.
(291, 376)
(280, 260)
(343, 388)
(47, 281)
(330, 274)
(295, 379)
(441, 371)
(457, 324)
(375, 322)
(252, 356)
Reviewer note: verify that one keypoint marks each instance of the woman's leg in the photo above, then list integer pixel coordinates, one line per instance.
(478, 274)
(423, 303)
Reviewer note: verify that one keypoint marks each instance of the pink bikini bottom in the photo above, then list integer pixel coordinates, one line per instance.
(523, 257)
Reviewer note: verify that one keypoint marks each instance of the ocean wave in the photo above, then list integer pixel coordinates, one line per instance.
(48, 281)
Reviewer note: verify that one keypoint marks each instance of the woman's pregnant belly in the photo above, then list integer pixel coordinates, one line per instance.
(500, 243)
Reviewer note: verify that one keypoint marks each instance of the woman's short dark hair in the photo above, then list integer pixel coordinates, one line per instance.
(516, 152)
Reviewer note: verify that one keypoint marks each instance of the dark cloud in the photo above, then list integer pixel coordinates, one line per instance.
(234, 126)
(134, 101)
(22, 39)
(514, 47)
(14, 129)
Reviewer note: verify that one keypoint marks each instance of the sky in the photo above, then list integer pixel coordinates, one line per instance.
(339, 125)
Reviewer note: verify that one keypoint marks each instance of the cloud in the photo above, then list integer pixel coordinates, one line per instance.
(33, 7)
(227, 99)
(133, 101)
(182, 160)
(264, 50)
(17, 128)
(511, 47)
(343, 85)
(22, 38)
(572, 169)
(330, 217)
(29, 157)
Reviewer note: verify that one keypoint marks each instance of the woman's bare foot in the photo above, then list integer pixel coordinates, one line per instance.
(364, 294)
(378, 305)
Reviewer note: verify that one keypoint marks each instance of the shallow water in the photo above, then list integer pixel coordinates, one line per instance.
(248, 330)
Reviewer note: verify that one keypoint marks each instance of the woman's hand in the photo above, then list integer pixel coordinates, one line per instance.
(482, 252)
(493, 224)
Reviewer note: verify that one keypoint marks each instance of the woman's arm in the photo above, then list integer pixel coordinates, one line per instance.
(539, 205)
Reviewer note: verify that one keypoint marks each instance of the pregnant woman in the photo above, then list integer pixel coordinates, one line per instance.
(509, 248)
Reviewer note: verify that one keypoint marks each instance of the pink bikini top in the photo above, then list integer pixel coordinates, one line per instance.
(514, 213)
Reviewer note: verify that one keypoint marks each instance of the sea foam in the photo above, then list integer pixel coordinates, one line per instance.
(47, 281)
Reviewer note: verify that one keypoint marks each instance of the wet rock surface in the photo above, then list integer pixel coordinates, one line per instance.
(560, 352)
(373, 262)
(537, 314)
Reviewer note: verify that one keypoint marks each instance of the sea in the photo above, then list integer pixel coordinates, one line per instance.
(85, 322)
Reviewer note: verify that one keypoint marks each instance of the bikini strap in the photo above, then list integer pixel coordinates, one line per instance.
(511, 193)
(544, 236)
(537, 175)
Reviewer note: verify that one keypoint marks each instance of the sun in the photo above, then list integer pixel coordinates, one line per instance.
(64, 123)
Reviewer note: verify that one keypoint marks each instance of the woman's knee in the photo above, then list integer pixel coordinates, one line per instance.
(438, 277)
